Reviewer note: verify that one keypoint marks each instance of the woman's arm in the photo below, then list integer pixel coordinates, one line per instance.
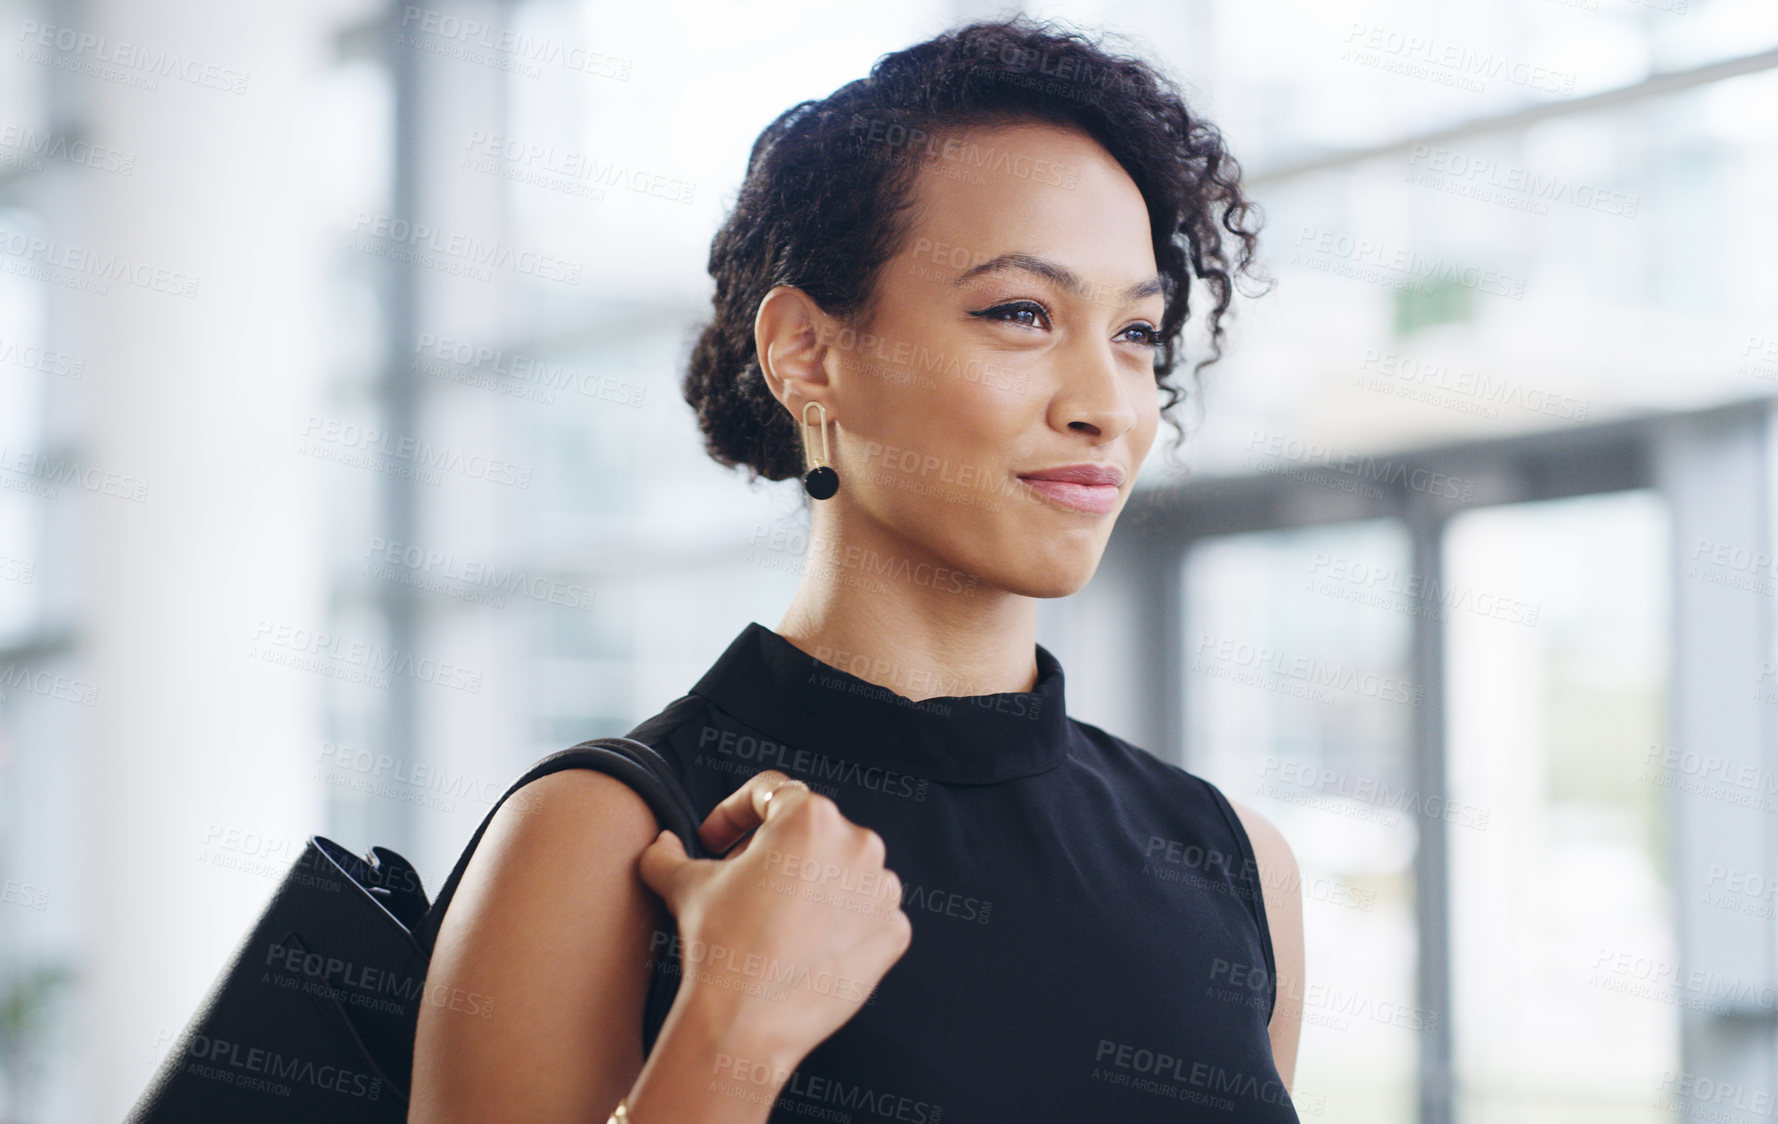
(552, 928)
(1281, 891)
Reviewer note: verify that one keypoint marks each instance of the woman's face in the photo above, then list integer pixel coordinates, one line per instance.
(1013, 334)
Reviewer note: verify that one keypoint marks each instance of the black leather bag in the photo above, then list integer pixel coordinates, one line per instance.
(313, 1019)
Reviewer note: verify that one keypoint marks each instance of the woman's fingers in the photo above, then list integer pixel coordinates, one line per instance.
(664, 863)
(746, 808)
(661, 865)
(757, 905)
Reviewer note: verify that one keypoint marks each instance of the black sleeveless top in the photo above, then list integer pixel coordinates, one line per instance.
(1089, 937)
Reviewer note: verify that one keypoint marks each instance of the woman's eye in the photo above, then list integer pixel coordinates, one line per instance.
(1030, 314)
(1149, 337)
(1016, 312)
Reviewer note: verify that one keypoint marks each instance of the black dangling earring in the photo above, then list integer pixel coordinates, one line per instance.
(821, 481)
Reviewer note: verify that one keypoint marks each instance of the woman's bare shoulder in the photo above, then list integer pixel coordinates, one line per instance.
(551, 929)
(1280, 883)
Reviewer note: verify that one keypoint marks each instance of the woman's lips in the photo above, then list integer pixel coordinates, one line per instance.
(1096, 498)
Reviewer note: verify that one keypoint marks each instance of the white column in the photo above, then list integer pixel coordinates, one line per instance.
(1715, 472)
(205, 398)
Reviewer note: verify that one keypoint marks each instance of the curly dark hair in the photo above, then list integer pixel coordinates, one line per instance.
(828, 185)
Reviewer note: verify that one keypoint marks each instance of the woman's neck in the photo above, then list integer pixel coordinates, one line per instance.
(891, 614)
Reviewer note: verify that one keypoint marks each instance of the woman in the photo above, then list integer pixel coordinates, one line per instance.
(965, 277)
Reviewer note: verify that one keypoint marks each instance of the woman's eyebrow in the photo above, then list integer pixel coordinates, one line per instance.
(1061, 275)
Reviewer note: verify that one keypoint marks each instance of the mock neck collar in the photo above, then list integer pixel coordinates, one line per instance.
(786, 694)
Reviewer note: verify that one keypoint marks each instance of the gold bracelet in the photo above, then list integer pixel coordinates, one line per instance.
(620, 1114)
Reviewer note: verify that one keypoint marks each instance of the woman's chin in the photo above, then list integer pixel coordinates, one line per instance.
(1057, 578)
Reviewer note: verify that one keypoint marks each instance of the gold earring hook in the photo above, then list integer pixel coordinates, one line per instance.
(826, 453)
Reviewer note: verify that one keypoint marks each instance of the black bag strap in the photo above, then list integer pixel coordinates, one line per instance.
(636, 763)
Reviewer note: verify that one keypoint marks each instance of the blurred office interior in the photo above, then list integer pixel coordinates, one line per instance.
(1465, 579)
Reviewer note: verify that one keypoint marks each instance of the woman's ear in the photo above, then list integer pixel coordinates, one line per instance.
(792, 335)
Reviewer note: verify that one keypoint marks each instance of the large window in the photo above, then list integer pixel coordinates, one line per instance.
(1557, 678)
(1522, 750)
(1299, 671)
